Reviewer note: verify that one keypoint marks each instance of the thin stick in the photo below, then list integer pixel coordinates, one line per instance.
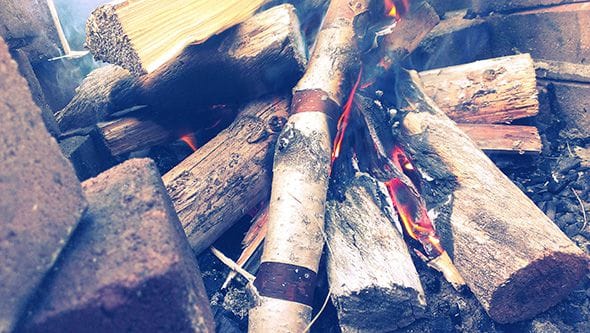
(232, 264)
(582, 207)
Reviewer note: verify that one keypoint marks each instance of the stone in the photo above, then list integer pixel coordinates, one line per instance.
(41, 200)
(129, 267)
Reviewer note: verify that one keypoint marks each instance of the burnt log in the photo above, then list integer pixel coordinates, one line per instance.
(514, 258)
(41, 198)
(484, 7)
(214, 187)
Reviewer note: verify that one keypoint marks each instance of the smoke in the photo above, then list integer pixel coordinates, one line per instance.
(73, 16)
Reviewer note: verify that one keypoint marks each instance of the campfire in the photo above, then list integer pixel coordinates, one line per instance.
(294, 166)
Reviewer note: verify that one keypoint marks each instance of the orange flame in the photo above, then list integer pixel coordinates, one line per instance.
(396, 8)
(190, 140)
(410, 208)
(344, 119)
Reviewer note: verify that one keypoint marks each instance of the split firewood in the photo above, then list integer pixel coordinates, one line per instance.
(264, 54)
(285, 282)
(493, 138)
(93, 101)
(373, 282)
(142, 35)
(214, 187)
(488, 91)
(514, 259)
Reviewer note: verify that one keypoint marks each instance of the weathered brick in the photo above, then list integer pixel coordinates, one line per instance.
(129, 267)
(41, 199)
(554, 33)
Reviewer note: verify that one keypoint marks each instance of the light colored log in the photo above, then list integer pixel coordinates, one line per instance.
(142, 35)
(514, 258)
(489, 91)
(493, 138)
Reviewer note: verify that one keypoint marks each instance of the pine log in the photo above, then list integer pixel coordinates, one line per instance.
(264, 54)
(129, 134)
(514, 258)
(285, 282)
(374, 285)
(212, 188)
(142, 35)
(493, 138)
(534, 31)
(488, 91)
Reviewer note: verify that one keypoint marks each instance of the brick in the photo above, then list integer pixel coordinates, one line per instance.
(455, 40)
(554, 33)
(129, 267)
(41, 199)
(506, 6)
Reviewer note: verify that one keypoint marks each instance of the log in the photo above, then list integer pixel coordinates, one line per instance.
(285, 282)
(373, 282)
(489, 91)
(533, 31)
(129, 134)
(212, 188)
(143, 35)
(493, 138)
(265, 54)
(514, 258)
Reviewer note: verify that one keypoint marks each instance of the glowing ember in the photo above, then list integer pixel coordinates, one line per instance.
(190, 140)
(410, 208)
(396, 8)
(344, 119)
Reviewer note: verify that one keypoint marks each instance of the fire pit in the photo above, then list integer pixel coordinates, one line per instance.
(293, 166)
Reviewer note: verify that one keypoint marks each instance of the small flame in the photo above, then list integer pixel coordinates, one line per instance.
(344, 119)
(410, 208)
(396, 8)
(190, 141)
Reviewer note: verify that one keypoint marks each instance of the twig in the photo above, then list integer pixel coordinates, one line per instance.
(232, 264)
(582, 207)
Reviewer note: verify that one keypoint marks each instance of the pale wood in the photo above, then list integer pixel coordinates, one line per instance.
(301, 167)
(129, 134)
(488, 91)
(493, 138)
(214, 187)
(142, 35)
(514, 258)
(265, 54)
(374, 285)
